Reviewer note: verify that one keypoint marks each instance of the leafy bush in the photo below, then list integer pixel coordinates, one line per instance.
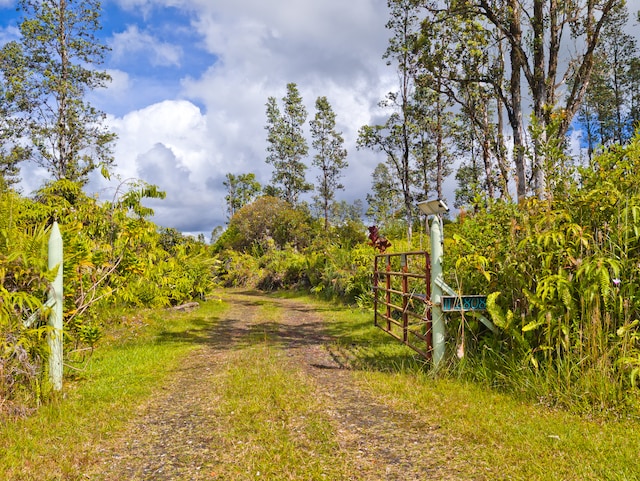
(113, 256)
(565, 277)
(237, 269)
(268, 220)
(23, 284)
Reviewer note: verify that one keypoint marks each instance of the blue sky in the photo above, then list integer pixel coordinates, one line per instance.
(191, 79)
(157, 47)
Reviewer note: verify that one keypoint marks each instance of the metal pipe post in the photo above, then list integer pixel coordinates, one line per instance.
(55, 317)
(437, 317)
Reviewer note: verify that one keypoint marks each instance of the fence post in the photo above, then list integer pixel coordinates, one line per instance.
(55, 317)
(437, 317)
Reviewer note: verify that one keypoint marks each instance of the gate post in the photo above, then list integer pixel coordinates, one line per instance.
(437, 317)
(435, 209)
(55, 317)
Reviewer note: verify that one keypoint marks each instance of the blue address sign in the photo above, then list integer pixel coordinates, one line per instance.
(463, 303)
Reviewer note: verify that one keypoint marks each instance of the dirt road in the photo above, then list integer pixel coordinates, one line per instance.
(173, 437)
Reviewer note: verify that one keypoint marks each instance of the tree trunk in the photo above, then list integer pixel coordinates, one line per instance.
(486, 155)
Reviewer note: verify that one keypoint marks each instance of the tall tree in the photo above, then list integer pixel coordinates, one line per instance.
(533, 34)
(385, 197)
(597, 110)
(469, 180)
(330, 155)
(13, 100)
(615, 52)
(287, 145)
(633, 82)
(343, 212)
(242, 189)
(60, 49)
(454, 74)
(395, 138)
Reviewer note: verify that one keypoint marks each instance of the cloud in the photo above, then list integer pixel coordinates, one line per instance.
(9, 34)
(168, 144)
(191, 79)
(133, 42)
(327, 48)
(214, 124)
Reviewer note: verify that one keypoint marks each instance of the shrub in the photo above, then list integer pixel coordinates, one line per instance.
(268, 219)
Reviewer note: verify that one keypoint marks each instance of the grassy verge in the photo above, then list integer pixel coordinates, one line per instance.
(59, 439)
(492, 435)
(274, 427)
(272, 424)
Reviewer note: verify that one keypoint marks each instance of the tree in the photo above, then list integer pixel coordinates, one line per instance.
(242, 189)
(597, 111)
(610, 90)
(386, 197)
(395, 137)
(330, 155)
(13, 100)
(52, 65)
(268, 222)
(633, 81)
(287, 145)
(451, 73)
(469, 178)
(342, 212)
(533, 36)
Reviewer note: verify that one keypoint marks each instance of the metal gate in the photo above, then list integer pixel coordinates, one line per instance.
(402, 293)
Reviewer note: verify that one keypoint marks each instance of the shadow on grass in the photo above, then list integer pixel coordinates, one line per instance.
(347, 333)
(352, 336)
(370, 348)
(199, 331)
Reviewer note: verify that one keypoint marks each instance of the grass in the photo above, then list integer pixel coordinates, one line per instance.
(270, 421)
(274, 427)
(493, 435)
(56, 442)
(503, 438)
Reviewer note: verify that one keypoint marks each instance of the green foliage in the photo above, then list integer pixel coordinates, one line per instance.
(385, 198)
(567, 274)
(267, 222)
(242, 189)
(23, 283)
(287, 145)
(336, 264)
(330, 155)
(48, 73)
(113, 256)
(235, 269)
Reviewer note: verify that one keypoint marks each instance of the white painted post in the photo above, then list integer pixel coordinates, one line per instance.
(437, 317)
(55, 317)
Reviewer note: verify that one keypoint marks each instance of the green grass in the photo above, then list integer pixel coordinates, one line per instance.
(269, 420)
(503, 438)
(59, 438)
(493, 435)
(274, 427)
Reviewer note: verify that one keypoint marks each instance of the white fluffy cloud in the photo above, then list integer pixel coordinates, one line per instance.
(132, 42)
(168, 144)
(186, 145)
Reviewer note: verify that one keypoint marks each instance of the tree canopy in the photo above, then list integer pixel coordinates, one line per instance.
(47, 74)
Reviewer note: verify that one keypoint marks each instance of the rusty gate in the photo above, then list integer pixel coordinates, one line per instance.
(402, 293)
